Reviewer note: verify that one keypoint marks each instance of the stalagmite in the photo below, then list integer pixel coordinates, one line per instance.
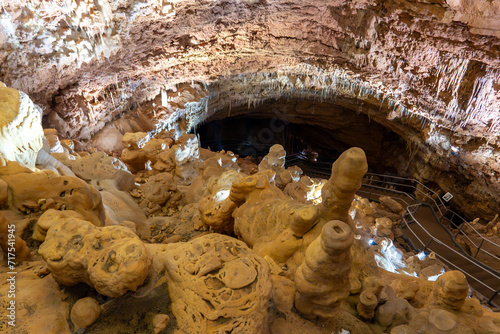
(338, 192)
(450, 290)
(322, 280)
(275, 161)
(367, 303)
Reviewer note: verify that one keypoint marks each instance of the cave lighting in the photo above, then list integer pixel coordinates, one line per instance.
(421, 256)
(435, 277)
(454, 151)
(221, 195)
(314, 194)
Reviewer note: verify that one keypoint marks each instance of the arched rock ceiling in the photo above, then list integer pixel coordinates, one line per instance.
(428, 69)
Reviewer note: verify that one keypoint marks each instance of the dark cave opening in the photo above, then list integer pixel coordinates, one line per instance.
(308, 145)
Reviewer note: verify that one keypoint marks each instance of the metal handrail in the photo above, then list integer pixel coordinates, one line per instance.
(432, 239)
(411, 209)
(440, 242)
(392, 190)
(411, 185)
(449, 221)
(324, 169)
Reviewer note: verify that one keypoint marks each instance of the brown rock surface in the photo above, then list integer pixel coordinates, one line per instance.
(11, 243)
(67, 192)
(111, 259)
(216, 284)
(41, 307)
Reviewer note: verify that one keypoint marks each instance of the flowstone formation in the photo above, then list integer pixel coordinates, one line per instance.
(207, 242)
(216, 284)
(21, 131)
(282, 228)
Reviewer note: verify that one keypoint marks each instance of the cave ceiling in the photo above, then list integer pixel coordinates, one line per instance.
(426, 69)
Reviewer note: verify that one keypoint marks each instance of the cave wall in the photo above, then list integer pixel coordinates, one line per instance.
(427, 69)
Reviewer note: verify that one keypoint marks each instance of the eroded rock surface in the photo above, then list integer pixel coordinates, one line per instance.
(216, 284)
(111, 259)
(62, 192)
(40, 305)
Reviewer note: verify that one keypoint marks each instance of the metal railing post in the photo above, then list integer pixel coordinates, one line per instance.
(459, 229)
(400, 224)
(494, 295)
(428, 244)
(479, 248)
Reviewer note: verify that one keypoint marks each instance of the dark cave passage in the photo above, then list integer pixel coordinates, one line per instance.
(309, 144)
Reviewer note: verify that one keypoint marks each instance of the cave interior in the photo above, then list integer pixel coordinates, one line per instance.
(256, 166)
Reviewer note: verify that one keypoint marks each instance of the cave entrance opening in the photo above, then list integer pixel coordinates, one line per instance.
(315, 136)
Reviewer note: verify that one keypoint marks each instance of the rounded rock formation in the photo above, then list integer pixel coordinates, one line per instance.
(85, 312)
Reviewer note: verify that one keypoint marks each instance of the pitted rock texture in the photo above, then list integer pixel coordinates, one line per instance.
(111, 259)
(54, 191)
(41, 307)
(217, 284)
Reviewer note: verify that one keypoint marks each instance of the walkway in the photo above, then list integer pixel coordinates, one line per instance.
(427, 226)
(424, 231)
